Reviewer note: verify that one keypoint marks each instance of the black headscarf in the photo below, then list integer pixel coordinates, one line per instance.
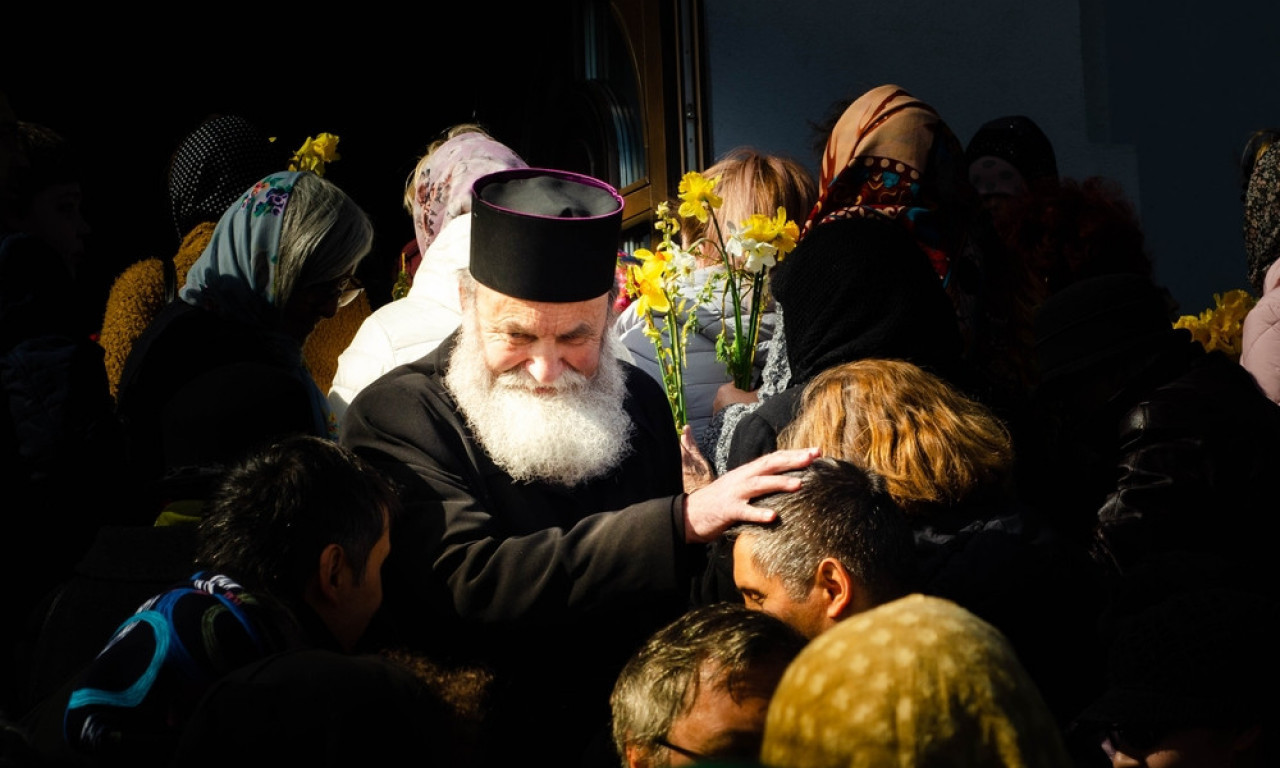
(862, 288)
(1020, 142)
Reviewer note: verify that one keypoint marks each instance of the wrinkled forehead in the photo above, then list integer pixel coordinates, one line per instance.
(497, 309)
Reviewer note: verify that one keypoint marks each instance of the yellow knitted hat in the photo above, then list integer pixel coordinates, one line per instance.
(918, 682)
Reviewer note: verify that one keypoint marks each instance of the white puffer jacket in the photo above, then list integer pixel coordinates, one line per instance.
(404, 330)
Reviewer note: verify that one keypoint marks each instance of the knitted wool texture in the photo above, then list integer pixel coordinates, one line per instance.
(919, 682)
(331, 336)
(137, 296)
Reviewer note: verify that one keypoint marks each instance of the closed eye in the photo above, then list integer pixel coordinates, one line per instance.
(579, 335)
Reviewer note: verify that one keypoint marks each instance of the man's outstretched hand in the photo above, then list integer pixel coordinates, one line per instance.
(714, 508)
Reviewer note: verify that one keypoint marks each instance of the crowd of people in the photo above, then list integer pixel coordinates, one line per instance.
(984, 504)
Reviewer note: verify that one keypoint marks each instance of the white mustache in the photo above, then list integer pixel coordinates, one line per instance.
(522, 380)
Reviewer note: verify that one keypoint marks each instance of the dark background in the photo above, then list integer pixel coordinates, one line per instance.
(385, 86)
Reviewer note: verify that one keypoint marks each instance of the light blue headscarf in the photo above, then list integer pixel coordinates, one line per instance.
(237, 276)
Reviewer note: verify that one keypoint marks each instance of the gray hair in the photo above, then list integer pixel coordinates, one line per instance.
(840, 511)
(323, 236)
(660, 681)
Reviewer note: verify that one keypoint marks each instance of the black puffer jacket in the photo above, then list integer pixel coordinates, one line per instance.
(1196, 452)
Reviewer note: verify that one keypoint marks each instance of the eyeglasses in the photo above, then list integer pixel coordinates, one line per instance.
(349, 288)
(697, 757)
(1132, 740)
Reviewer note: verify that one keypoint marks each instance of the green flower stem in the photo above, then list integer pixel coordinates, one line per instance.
(670, 355)
(757, 310)
(678, 407)
(741, 378)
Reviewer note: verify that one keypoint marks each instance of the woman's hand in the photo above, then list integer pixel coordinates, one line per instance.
(728, 394)
(697, 470)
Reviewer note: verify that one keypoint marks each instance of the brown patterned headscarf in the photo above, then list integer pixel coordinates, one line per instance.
(1262, 216)
(891, 155)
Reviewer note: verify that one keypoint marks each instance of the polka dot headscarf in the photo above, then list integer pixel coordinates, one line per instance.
(918, 682)
(216, 164)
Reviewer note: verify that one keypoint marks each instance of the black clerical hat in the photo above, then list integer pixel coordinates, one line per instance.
(545, 235)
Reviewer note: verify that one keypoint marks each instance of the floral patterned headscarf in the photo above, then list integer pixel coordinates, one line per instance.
(237, 276)
(442, 190)
(1262, 217)
(891, 155)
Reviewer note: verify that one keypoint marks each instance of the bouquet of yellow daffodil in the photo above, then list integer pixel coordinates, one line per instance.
(654, 287)
(315, 153)
(746, 253)
(749, 252)
(1221, 327)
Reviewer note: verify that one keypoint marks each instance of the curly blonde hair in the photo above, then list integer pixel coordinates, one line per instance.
(932, 444)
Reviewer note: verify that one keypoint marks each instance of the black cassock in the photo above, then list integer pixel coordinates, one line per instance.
(552, 587)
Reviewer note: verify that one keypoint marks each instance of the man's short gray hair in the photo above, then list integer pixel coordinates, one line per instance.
(840, 511)
(660, 682)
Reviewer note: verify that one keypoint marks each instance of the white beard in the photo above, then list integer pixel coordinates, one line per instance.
(574, 434)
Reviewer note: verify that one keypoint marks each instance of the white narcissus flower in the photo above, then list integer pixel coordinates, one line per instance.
(753, 254)
(684, 262)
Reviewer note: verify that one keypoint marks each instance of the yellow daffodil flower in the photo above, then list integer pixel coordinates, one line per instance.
(788, 234)
(326, 146)
(1221, 327)
(697, 197)
(746, 257)
(763, 240)
(315, 153)
(645, 283)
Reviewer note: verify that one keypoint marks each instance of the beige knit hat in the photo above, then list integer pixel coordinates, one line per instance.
(917, 682)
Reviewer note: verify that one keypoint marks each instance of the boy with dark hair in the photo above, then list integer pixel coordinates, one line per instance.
(290, 551)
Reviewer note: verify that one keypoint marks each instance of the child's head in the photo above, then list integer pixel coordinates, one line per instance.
(755, 182)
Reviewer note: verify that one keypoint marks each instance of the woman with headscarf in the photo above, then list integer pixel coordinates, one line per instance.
(1007, 156)
(891, 155)
(283, 256)
(919, 682)
(1011, 162)
(438, 194)
(869, 277)
(890, 162)
(210, 169)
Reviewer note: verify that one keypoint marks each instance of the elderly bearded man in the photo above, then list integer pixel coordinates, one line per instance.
(545, 533)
